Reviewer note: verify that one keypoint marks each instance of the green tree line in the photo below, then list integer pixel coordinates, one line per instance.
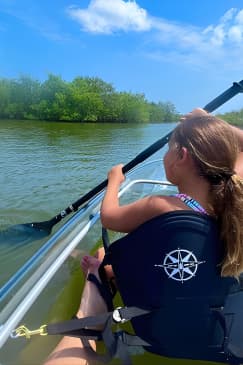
(84, 99)
(234, 117)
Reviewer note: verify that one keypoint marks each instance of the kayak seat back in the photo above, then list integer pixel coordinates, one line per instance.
(170, 265)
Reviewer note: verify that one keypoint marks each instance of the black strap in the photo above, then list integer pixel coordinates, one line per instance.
(119, 315)
(101, 358)
(226, 321)
(127, 313)
(104, 290)
(218, 313)
(241, 281)
(71, 325)
(122, 351)
(105, 239)
(116, 343)
(133, 340)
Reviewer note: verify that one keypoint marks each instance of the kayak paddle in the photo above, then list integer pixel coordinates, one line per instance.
(42, 229)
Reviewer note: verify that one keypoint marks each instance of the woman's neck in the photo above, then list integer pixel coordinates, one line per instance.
(198, 189)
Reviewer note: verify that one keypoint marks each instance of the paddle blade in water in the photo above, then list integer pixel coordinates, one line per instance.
(22, 234)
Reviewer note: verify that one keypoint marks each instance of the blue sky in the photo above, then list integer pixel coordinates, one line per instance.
(183, 51)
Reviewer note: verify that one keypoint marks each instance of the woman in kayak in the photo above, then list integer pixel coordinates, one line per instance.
(205, 162)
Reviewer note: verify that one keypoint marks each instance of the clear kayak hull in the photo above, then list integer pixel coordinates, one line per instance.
(49, 287)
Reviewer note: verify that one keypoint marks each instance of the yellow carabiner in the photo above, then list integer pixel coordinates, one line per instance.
(24, 331)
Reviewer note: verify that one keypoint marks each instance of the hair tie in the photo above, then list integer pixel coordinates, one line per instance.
(236, 179)
(217, 178)
(228, 175)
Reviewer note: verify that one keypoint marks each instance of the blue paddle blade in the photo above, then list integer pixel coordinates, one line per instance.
(22, 234)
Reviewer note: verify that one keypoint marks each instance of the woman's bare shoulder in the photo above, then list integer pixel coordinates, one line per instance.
(161, 203)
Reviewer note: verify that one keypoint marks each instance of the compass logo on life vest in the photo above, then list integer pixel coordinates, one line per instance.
(180, 265)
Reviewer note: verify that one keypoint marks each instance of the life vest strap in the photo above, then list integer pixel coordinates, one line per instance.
(116, 343)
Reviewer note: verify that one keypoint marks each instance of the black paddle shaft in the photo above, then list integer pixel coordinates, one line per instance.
(235, 89)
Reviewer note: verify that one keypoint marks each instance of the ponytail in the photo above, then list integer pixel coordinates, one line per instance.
(227, 202)
(214, 147)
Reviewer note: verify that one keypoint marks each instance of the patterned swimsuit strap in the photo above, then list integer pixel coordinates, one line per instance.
(191, 203)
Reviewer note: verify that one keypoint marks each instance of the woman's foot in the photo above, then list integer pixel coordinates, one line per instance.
(99, 255)
(104, 273)
(90, 264)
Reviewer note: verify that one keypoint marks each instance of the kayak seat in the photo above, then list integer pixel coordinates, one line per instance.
(168, 274)
(170, 266)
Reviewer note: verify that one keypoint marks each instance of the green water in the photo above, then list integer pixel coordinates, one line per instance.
(46, 166)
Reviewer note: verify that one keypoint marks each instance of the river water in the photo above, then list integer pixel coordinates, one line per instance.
(45, 166)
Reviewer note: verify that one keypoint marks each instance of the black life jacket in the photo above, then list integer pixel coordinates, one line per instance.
(170, 265)
(168, 275)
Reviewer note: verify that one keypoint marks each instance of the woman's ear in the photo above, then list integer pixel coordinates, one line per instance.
(183, 154)
(185, 159)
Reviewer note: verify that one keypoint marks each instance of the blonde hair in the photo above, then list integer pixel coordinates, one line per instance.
(214, 148)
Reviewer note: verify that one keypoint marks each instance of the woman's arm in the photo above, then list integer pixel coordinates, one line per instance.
(125, 218)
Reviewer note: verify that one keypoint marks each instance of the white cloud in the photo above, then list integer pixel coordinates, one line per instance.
(235, 34)
(229, 15)
(108, 16)
(239, 17)
(229, 31)
(219, 43)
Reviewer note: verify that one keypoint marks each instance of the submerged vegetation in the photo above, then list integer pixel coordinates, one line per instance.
(84, 99)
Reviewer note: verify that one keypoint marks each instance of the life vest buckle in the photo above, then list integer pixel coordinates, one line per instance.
(117, 316)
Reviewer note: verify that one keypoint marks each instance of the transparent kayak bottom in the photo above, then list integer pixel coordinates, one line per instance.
(50, 289)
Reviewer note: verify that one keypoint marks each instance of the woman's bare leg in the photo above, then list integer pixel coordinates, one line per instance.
(69, 351)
